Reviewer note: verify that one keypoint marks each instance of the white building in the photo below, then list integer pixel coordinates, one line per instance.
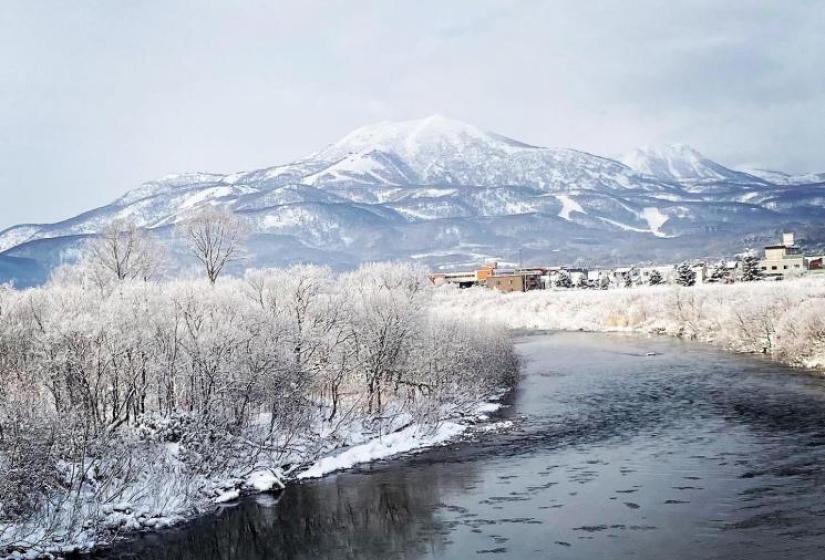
(783, 260)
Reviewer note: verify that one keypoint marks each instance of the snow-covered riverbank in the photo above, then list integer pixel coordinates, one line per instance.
(136, 514)
(782, 319)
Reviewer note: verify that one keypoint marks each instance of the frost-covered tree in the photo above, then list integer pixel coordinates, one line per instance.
(719, 273)
(124, 252)
(655, 278)
(582, 283)
(630, 277)
(214, 236)
(750, 269)
(685, 275)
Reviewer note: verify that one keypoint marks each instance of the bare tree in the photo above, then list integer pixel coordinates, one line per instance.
(125, 251)
(214, 236)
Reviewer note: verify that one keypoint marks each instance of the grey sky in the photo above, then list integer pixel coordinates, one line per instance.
(98, 96)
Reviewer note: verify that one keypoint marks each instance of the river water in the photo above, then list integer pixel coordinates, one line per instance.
(622, 447)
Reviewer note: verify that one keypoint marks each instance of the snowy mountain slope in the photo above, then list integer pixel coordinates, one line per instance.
(682, 164)
(281, 195)
(165, 206)
(445, 192)
(371, 167)
(786, 179)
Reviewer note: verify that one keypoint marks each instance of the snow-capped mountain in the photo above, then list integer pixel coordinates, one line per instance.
(446, 192)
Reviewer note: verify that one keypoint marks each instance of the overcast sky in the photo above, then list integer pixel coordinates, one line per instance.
(96, 97)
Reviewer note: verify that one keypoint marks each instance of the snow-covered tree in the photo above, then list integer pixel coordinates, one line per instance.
(719, 273)
(563, 279)
(630, 277)
(685, 275)
(655, 278)
(124, 252)
(582, 282)
(214, 236)
(750, 269)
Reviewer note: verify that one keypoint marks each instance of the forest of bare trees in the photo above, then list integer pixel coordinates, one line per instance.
(129, 402)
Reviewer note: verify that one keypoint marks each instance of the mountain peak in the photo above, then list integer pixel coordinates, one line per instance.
(681, 163)
(673, 149)
(413, 138)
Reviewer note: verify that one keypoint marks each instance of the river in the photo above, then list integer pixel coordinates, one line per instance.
(622, 447)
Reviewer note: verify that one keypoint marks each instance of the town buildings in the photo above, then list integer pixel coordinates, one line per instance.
(491, 276)
(779, 261)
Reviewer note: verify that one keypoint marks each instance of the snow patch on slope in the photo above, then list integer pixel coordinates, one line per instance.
(620, 225)
(568, 206)
(655, 219)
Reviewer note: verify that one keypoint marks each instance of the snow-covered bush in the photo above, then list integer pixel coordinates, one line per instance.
(800, 333)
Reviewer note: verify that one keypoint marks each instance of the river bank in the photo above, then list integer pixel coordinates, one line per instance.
(784, 320)
(129, 518)
(135, 405)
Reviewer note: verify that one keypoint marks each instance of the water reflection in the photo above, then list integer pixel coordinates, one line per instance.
(377, 515)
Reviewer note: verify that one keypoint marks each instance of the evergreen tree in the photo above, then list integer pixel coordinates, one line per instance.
(582, 283)
(655, 278)
(719, 273)
(685, 276)
(629, 277)
(563, 280)
(750, 269)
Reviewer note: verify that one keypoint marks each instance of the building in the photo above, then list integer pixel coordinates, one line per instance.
(486, 271)
(460, 279)
(491, 276)
(816, 264)
(701, 272)
(783, 260)
(519, 281)
(578, 276)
